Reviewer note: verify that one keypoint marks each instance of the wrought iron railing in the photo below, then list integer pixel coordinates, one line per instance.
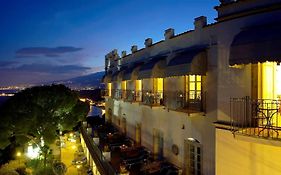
(103, 165)
(259, 118)
(132, 96)
(116, 94)
(105, 93)
(185, 101)
(153, 98)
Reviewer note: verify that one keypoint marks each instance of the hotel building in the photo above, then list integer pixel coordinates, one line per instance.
(208, 99)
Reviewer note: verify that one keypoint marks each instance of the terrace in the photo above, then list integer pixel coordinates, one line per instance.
(256, 118)
(119, 154)
(173, 100)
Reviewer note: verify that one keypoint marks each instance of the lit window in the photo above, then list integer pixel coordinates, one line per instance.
(109, 88)
(193, 86)
(138, 85)
(124, 85)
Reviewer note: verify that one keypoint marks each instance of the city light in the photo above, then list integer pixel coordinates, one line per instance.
(32, 152)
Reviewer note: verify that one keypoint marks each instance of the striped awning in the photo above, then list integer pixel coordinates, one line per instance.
(256, 44)
(154, 68)
(192, 60)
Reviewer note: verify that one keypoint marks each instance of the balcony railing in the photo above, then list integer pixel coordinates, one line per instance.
(185, 101)
(174, 100)
(116, 94)
(151, 98)
(259, 118)
(105, 93)
(102, 164)
(132, 96)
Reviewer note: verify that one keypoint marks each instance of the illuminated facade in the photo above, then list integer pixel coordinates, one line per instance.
(208, 99)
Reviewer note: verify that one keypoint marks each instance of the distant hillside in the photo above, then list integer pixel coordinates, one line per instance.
(91, 80)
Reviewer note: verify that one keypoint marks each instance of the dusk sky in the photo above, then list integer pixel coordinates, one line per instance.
(58, 39)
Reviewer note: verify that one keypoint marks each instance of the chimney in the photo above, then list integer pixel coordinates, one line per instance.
(200, 22)
(123, 53)
(134, 48)
(148, 42)
(169, 33)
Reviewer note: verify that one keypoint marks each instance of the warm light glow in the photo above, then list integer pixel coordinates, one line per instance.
(278, 81)
(193, 86)
(73, 147)
(158, 84)
(18, 154)
(32, 152)
(138, 85)
(124, 85)
(268, 76)
(71, 134)
(109, 87)
(102, 112)
(78, 166)
(82, 99)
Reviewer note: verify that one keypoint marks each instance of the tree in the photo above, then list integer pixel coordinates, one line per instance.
(38, 113)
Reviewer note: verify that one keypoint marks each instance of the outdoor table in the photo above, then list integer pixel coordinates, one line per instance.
(268, 114)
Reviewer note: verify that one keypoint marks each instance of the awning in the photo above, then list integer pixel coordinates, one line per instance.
(106, 78)
(132, 72)
(117, 76)
(154, 68)
(191, 60)
(256, 44)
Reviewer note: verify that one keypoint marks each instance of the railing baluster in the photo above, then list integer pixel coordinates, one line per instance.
(258, 118)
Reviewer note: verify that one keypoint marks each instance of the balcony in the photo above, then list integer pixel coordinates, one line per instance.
(132, 96)
(185, 101)
(151, 98)
(126, 156)
(105, 93)
(257, 118)
(116, 94)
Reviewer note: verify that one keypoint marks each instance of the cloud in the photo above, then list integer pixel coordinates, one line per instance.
(8, 64)
(45, 51)
(53, 69)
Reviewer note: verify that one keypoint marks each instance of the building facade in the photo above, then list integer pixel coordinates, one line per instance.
(206, 99)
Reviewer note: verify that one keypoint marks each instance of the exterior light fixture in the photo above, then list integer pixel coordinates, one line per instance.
(18, 154)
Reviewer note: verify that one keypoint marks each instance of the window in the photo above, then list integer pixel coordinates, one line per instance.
(124, 85)
(193, 157)
(158, 87)
(109, 88)
(193, 87)
(124, 88)
(138, 93)
(138, 85)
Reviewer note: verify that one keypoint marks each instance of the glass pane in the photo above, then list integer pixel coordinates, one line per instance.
(198, 150)
(192, 95)
(198, 166)
(198, 86)
(198, 77)
(159, 84)
(191, 148)
(191, 77)
(198, 95)
(192, 86)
